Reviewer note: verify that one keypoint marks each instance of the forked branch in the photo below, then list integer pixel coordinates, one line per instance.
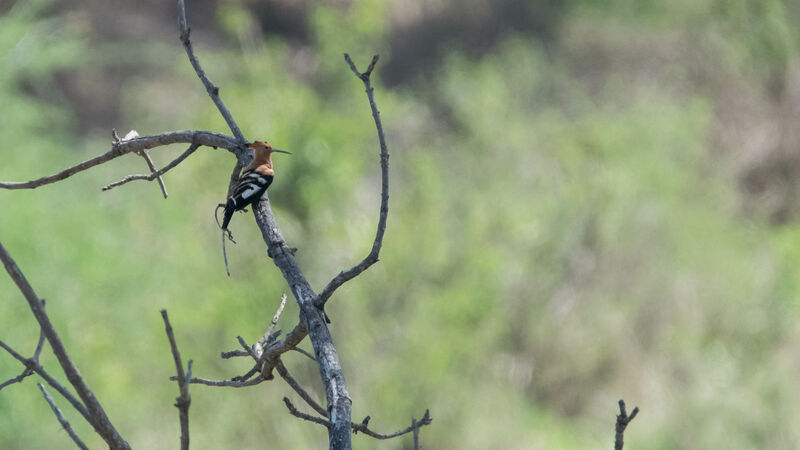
(362, 427)
(623, 419)
(121, 148)
(61, 419)
(213, 91)
(372, 257)
(156, 174)
(91, 408)
(184, 400)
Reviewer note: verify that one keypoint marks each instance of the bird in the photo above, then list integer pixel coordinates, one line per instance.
(255, 180)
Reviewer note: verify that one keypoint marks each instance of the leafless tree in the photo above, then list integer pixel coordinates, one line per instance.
(267, 350)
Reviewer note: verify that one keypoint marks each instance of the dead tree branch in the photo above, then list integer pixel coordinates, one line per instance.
(224, 383)
(61, 419)
(265, 339)
(312, 318)
(121, 148)
(293, 411)
(372, 257)
(152, 167)
(284, 373)
(184, 400)
(213, 91)
(623, 419)
(34, 366)
(27, 371)
(415, 426)
(99, 419)
(156, 174)
(362, 427)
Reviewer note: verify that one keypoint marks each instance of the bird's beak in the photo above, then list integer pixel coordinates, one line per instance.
(281, 151)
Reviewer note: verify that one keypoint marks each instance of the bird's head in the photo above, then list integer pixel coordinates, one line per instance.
(262, 150)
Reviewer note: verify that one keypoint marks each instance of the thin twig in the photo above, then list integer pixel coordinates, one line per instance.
(34, 366)
(623, 419)
(372, 257)
(224, 383)
(303, 352)
(35, 358)
(416, 433)
(213, 91)
(362, 427)
(17, 379)
(61, 419)
(293, 411)
(265, 339)
(271, 353)
(247, 348)
(206, 138)
(415, 425)
(284, 373)
(152, 168)
(40, 344)
(100, 420)
(247, 375)
(156, 174)
(184, 400)
(233, 354)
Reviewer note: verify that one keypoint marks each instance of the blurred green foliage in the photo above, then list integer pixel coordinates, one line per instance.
(561, 234)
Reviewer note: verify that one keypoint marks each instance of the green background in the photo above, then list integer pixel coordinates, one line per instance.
(589, 201)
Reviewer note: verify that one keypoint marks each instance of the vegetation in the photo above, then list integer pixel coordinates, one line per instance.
(604, 208)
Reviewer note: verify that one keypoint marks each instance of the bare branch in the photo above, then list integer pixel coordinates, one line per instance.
(284, 373)
(61, 419)
(362, 427)
(224, 383)
(40, 344)
(312, 318)
(623, 419)
(206, 138)
(274, 351)
(35, 358)
(100, 420)
(312, 322)
(34, 366)
(213, 91)
(184, 400)
(372, 257)
(415, 425)
(305, 416)
(303, 352)
(265, 339)
(233, 354)
(156, 173)
(416, 433)
(17, 379)
(152, 168)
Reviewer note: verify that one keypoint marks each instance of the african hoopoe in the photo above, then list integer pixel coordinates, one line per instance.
(254, 181)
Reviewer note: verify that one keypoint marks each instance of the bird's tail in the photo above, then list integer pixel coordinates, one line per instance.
(228, 214)
(224, 227)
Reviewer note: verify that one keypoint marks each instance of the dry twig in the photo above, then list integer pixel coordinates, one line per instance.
(156, 174)
(623, 419)
(372, 257)
(121, 148)
(94, 411)
(61, 419)
(184, 400)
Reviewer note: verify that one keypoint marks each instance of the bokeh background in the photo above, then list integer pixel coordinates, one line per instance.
(590, 200)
